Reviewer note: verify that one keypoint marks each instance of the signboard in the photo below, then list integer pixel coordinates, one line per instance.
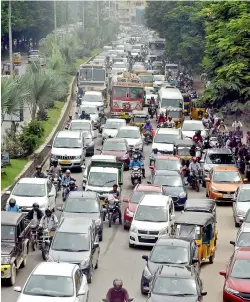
(5, 158)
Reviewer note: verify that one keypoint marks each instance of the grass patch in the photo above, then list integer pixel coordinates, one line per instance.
(84, 59)
(12, 171)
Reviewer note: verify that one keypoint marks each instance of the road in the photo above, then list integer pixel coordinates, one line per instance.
(118, 260)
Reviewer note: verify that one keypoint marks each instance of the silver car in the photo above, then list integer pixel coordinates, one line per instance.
(242, 237)
(241, 204)
(133, 136)
(111, 128)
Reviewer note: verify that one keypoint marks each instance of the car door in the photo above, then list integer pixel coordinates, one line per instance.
(235, 202)
(19, 244)
(78, 282)
(50, 191)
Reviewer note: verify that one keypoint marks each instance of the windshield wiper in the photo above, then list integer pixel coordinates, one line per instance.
(183, 295)
(109, 181)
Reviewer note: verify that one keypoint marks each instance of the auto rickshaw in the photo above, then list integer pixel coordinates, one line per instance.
(138, 118)
(196, 112)
(176, 114)
(187, 102)
(17, 58)
(182, 150)
(202, 228)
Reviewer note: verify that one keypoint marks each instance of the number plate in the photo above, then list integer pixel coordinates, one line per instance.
(228, 196)
(65, 162)
(147, 237)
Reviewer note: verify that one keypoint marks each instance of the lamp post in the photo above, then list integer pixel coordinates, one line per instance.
(10, 38)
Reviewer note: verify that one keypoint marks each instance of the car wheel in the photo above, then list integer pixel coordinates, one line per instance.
(101, 236)
(12, 280)
(131, 245)
(97, 264)
(90, 274)
(236, 224)
(211, 259)
(126, 228)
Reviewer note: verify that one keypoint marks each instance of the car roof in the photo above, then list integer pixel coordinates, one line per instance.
(166, 173)
(192, 122)
(168, 130)
(55, 269)
(116, 140)
(91, 92)
(102, 157)
(154, 200)
(225, 168)
(219, 151)
(184, 242)
(32, 180)
(200, 205)
(116, 120)
(245, 228)
(75, 225)
(242, 253)
(164, 157)
(129, 128)
(83, 194)
(174, 271)
(11, 218)
(148, 188)
(72, 134)
(81, 121)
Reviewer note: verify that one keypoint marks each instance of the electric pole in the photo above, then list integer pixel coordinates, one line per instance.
(98, 13)
(55, 22)
(83, 14)
(10, 39)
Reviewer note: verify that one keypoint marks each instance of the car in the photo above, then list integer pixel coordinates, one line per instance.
(139, 191)
(222, 183)
(117, 147)
(153, 218)
(89, 142)
(170, 163)
(111, 127)
(33, 56)
(176, 282)
(92, 110)
(189, 127)
(95, 98)
(158, 80)
(241, 203)
(169, 250)
(14, 245)
(76, 241)
(29, 190)
(81, 125)
(150, 92)
(84, 204)
(242, 237)
(68, 148)
(51, 281)
(119, 67)
(133, 136)
(173, 185)
(164, 140)
(247, 217)
(237, 277)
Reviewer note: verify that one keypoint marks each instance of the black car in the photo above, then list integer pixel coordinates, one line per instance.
(84, 204)
(14, 245)
(173, 185)
(176, 283)
(169, 250)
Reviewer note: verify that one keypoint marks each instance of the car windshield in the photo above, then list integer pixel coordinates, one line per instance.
(220, 159)
(172, 165)
(153, 214)
(138, 67)
(67, 142)
(244, 195)
(119, 65)
(243, 240)
(175, 114)
(159, 78)
(174, 287)
(183, 151)
(137, 196)
(128, 133)
(192, 126)
(113, 125)
(146, 78)
(7, 232)
(168, 180)
(166, 138)
(99, 179)
(114, 146)
(71, 242)
(168, 254)
(29, 190)
(49, 286)
(90, 110)
(189, 231)
(79, 126)
(171, 103)
(241, 269)
(227, 176)
(92, 98)
(81, 205)
(140, 119)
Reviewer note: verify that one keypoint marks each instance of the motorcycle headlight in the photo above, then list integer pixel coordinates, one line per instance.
(230, 290)
(214, 189)
(183, 195)
(5, 260)
(84, 264)
(129, 213)
(55, 179)
(146, 273)
(133, 229)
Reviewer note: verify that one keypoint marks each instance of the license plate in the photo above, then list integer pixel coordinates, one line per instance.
(147, 237)
(227, 196)
(65, 162)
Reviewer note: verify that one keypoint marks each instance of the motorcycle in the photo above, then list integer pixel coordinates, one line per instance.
(65, 191)
(34, 234)
(111, 210)
(148, 137)
(56, 182)
(152, 110)
(136, 176)
(46, 241)
(195, 183)
(106, 300)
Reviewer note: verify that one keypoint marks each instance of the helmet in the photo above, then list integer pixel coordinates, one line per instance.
(48, 211)
(155, 150)
(35, 205)
(67, 172)
(72, 183)
(55, 161)
(12, 202)
(194, 158)
(83, 111)
(199, 132)
(162, 114)
(118, 283)
(39, 167)
(135, 157)
(148, 121)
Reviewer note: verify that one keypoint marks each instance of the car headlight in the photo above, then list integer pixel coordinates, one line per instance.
(163, 232)
(125, 156)
(84, 264)
(133, 229)
(77, 157)
(129, 213)
(214, 189)
(5, 260)
(230, 290)
(98, 221)
(146, 273)
(241, 213)
(183, 195)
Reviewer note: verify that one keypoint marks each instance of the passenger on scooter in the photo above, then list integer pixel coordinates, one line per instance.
(148, 127)
(162, 118)
(35, 213)
(49, 220)
(194, 168)
(39, 173)
(72, 186)
(153, 156)
(56, 170)
(117, 293)
(170, 123)
(67, 178)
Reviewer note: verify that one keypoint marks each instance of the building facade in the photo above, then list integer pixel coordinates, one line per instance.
(131, 12)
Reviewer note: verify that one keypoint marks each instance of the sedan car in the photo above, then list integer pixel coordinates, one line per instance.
(176, 283)
(158, 80)
(189, 127)
(241, 203)
(29, 190)
(111, 128)
(95, 98)
(53, 281)
(84, 204)
(117, 147)
(170, 163)
(164, 140)
(173, 185)
(237, 277)
(242, 237)
(133, 136)
(139, 191)
(81, 125)
(167, 250)
(150, 92)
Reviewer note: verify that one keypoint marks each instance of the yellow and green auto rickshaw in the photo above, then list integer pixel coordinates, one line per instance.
(196, 111)
(187, 102)
(176, 114)
(202, 228)
(17, 58)
(138, 118)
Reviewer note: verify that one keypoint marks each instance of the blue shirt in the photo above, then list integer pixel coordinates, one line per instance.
(148, 127)
(135, 164)
(66, 179)
(13, 209)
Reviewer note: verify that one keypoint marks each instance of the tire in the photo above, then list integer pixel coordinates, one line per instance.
(110, 219)
(12, 280)
(236, 224)
(90, 275)
(211, 259)
(33, 244)
(142, 290)
(197, 187)
(126, 228)
(45, 253)
(101, 236)
(97, 264)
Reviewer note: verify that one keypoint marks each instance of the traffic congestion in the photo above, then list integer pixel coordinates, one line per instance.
(145, 197)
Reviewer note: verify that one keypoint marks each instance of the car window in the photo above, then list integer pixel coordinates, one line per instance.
(220, 159)
(78, 280)
(243, 240)
(49, 187)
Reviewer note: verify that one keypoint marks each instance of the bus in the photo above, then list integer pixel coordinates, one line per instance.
(156, 47)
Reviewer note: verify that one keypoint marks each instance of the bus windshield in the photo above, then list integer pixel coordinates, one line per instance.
(128, 92)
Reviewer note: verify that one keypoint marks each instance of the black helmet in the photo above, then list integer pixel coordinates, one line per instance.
(35, 205)
(12, 202)
(155, 150)
(39, 167)
(48, 211)
(55, 161)
(72, 183)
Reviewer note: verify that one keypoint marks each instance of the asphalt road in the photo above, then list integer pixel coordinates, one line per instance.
(118, 260)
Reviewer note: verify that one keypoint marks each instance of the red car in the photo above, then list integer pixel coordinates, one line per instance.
(237, 277)
(139, 191)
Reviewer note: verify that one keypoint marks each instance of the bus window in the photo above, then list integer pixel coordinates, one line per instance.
(136, 92)
(120, 92)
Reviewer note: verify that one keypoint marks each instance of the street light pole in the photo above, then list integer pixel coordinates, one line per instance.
(55, 22)
(10, 39)
(83, 14)
(98, 13)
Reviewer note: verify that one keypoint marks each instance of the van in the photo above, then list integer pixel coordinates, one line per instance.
(169, 97)
(68, 148)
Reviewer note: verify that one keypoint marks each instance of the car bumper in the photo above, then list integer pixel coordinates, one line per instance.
(221, 197)
(71, 164)
(145, 284)
(5, 271)
(180, 202)
(228, 297)
(142, 240)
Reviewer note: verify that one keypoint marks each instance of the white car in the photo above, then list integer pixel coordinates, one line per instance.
(81, 125)
(92, 110)
(119, 67)
(111, 128)
(158, 80)
(94, 98)
(29, 190)
(165, 138)
(132, 135)
(189, 127)
(152, 219)
(150, 92)
(53, 282)
(242, 237)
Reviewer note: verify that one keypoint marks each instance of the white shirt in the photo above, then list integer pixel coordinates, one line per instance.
(48, 222)
(195, 167)
(237, 124)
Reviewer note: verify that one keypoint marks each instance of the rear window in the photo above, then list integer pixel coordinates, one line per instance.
(221, 159)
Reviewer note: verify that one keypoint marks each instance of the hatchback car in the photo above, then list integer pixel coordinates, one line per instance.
(133, 136)
(170, 163)
(139, 191)
(241, 203)
(178, 283)
(89, 142)
(242, 237)
(84, 204)
(111, 128)
(189, 127)
(53, 281)
(164, 140)
(172, 251)
(237, 277)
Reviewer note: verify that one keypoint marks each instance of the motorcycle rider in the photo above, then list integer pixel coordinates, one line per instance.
(148, 128)
(72, 186)
(140, 158)
(116, 194)
(162, 118)
(151, 104)
(222, 127)
(194, 168)
(170, 123)
(67, 178)
(12, 207)
(242, 151)
(206, 121)
(117, 293)
(197, 138)
(35, 213)
(84, 115)
(238, 134)
(135, 162)
(56, 170)
(49, 220)
(153, 156)
(102, 118)
(237, 124)
(39, 173)
(69, 121)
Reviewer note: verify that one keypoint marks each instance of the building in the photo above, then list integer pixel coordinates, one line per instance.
(131, 12)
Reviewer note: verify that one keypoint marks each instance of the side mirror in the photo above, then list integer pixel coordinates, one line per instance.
(195, 260)
(120, 183)
(60, 208)
(172, 217)
(7, 192)
(232, 242)
(17, 289)
(98, 149)
(49, 146)
(145, 257)
(151, 167)
(96, 245)
(125, 200)
(81, 292)
(203, 294)
(207, 180)
(51, 194)
(149, 182)
(223, 273)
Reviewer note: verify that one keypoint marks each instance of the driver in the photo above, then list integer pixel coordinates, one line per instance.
(39, 173)
(117, 293)
(49, 220)
(194, 168)
(115, 191)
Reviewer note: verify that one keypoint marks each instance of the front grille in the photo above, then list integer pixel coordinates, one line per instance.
(148, 232)
(225, 192)
(244, 296)
(25, 209)
(144, 240)
(65, 157)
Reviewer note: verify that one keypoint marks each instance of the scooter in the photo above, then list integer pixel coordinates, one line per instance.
(136, 176)
(111, 210)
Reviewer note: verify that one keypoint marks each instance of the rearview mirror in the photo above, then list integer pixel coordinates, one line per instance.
(81, 292)
(145, 257)
(232, 242)
(17, 289)
(204, 294)
(96, 245)
(125, 200)
(172, 217)
(223, 273)
(245, 179)
(94, 137)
